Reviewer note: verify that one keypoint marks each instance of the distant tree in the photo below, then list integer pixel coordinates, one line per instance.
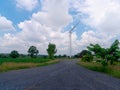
(2, 55)
(23, 55)
(87, 58)
(59, 56)
(64, 56)
(14, 54)
(51, 50)
(84, 52)
(33, 52)
(76, 56)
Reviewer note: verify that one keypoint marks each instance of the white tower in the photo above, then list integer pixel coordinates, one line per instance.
(70, 37)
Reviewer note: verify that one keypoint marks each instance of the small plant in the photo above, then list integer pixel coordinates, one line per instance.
(98, 60)
(87, 58)
(104, 63)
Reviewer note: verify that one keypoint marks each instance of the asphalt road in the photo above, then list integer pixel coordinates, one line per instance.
(65, 75)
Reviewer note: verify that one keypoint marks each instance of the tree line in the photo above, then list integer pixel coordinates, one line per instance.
(33, 51)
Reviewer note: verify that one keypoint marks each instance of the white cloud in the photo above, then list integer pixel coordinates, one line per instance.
(5, 24)
(54, 14)
(96, 37)
(47, 25)
(102, 15)
(44, 26)
(28, 5)
(88, 37)
(40, 35)
(11, 42)
(110, 23)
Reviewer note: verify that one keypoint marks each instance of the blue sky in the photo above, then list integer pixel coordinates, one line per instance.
(37, 22)
(11, 12)
(17, 15)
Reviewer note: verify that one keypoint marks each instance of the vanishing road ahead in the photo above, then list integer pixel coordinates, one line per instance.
(65, 75)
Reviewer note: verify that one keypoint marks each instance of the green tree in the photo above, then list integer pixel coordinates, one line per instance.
(14, 54)
(87, 58)
(33, 52)
(51, 50)
(84, 52)
(113, 52)
(99, 52)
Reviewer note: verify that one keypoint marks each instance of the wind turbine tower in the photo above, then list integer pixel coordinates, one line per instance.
(70, 37)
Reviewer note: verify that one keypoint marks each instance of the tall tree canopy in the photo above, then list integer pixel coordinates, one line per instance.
(32, 51)
(14, 54)
(51, 50)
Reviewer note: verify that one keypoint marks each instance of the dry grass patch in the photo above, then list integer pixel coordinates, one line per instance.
(115, 67)
(15, 66)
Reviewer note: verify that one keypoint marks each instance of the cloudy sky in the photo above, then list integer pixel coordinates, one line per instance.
(37, 22)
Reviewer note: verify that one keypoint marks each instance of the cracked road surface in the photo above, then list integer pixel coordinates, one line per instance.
(66, 75)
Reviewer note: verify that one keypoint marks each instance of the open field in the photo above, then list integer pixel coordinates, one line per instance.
(7, 64)
(113, 70)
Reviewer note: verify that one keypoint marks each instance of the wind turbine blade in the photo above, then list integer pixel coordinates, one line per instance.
(74, 27)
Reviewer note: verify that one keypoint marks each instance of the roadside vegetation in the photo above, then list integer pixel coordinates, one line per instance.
(101, 59)
(25, 63)
(15, 61)
(113, 70)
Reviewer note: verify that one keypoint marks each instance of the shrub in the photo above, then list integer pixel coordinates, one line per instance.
(104, 63)
(98, 60)
(87, 58)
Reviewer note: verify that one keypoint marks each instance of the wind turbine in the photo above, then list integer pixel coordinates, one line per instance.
(70, 36)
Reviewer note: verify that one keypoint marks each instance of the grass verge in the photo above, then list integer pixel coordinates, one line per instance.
(7, 66)
(23, 60)
(113, 70)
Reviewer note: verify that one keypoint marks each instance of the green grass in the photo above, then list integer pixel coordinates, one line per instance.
(113, 70)
(23, 60)
(117, 63)
(7, 64)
